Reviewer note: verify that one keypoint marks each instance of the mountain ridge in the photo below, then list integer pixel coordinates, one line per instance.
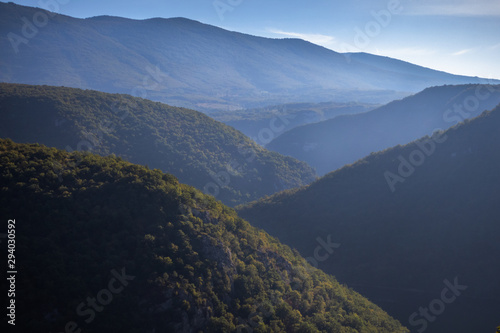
(195, 65)
(155, 255)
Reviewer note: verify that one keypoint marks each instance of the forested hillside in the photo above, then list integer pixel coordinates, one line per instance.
(195, 148)
(407, 219)
(117, 247)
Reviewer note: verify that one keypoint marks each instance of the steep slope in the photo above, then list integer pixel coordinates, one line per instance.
(195, 148)
(264, 124)
(187, 63)
(407, 219)
(116, 247)
(336, 142)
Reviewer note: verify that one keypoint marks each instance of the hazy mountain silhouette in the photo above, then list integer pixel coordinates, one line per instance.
(265, 124)
(330, 144)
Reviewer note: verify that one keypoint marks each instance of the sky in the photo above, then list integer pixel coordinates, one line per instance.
(455, 36)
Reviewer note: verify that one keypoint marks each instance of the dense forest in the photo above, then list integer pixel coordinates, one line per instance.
(156, 254)
(407, 218)
(200, 151)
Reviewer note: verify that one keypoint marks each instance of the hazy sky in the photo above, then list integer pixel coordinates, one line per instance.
(457, 36)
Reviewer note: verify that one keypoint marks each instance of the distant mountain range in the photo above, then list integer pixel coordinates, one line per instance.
(198, 150)
(333, 143)
(404, 221)
(187, 63)
(118, 247)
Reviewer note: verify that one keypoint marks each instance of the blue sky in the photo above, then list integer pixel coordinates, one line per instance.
(456, 36)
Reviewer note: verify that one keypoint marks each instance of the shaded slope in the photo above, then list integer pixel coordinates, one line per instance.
(336, 142)
(187, 63)
(404, 228)
(195, 148)
(114, 246)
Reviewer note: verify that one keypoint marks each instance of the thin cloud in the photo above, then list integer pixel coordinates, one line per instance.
(462, 52)
(319, 39)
